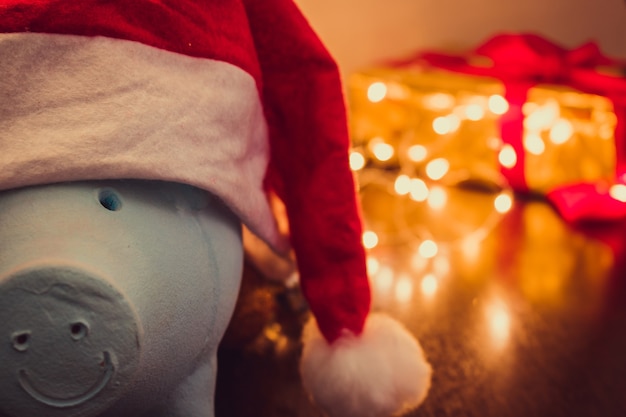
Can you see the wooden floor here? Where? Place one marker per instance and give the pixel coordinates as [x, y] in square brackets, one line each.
[527, 320]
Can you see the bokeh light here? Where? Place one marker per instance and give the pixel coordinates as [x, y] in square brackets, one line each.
[357, 160]
[497, 104]
[370, 239]
[437, 168]
[507, 156]
[376, 92]
[429, 285]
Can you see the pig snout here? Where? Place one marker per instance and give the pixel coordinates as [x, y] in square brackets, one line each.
[72, 342]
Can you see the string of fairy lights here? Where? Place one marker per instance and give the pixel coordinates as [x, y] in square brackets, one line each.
[418, 136]
[375, 153]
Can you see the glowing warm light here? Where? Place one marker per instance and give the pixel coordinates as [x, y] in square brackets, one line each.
[498, 104]
[274, 333]
[417, 153]
[428, 249]
[440, 125]
[454, 122]
[534, 144]
[370, 239]
[494, 143]
[499, 322]
[429, 285]
[529, 107]
[507, 156]
[446, 124]
[383, 280]
[470, 248]
[441, 266]
[618, 192]
[437, 198]
[503, 203]
[404, 289]
[437, 168]
[418, 262]
[601, 116]
[606, 132]
[438, 101]
[357, 160]
[474, 112]
[402, 185]
[419, 190]
[376, 92]
[382, 151]
[542, 117]
[373, 266]
[561, 131]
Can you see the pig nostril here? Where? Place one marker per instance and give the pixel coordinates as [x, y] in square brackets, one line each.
[78, 330]
[21, 341]
[110, 200]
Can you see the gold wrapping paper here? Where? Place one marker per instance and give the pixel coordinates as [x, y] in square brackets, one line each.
[405, 118]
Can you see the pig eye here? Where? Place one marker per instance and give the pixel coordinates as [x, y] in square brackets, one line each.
[110, 200]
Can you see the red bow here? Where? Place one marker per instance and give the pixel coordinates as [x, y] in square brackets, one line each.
[522, 61]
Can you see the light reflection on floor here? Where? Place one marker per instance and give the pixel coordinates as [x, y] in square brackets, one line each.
[518, 312]
[493, 249]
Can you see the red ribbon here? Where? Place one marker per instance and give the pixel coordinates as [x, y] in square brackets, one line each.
[521, 61]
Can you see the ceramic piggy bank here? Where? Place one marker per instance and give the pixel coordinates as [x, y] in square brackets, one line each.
[113, 298]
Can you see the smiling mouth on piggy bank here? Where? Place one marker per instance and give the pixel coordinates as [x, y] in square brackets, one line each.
[74, 343]
[27, 385]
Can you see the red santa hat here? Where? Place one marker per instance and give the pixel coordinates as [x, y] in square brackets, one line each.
[237, 97]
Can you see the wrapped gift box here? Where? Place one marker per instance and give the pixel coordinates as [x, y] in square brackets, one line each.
[517, 112]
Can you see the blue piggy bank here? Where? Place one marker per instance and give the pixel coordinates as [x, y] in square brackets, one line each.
[114, 297]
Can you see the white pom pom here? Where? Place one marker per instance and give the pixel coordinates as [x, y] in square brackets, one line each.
[376, 374]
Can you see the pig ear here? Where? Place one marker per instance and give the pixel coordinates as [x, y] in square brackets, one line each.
[353, 363]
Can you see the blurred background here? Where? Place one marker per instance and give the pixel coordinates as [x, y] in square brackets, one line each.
[494, 214]
[360, 33]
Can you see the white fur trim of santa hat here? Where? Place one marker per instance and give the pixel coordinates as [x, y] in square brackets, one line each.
[101, 108]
